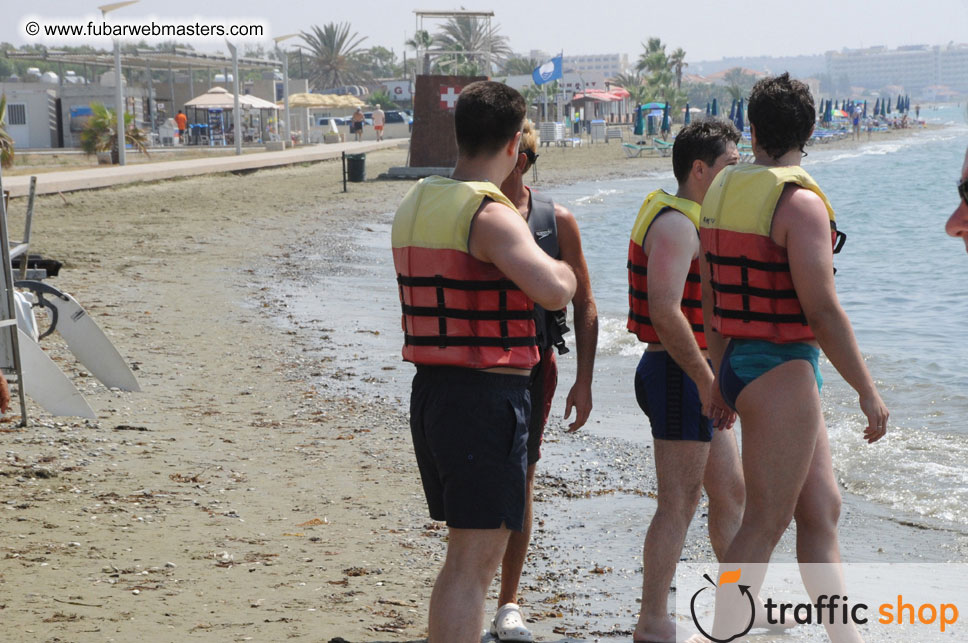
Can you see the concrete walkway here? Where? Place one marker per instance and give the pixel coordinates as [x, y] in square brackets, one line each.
[106, 176]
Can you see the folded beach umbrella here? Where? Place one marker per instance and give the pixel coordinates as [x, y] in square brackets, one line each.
[639, 122]
[688, 118]
[877, 107]
[715, 108]
[732, 111]
[864, 114]
[740, 124]
[708, 109]
[666, 126]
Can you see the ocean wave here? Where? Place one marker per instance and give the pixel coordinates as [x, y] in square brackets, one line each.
[599, 197]
[911, 469]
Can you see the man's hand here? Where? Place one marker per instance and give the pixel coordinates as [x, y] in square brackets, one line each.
[579, 397]
[715, 408]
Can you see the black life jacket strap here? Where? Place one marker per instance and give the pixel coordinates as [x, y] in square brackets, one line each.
[753, 291]
[646, 321]
[746, 262]
[459, 340]
[751, 316]
[456, 284]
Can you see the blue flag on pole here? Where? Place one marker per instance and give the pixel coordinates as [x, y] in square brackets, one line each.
[547, 72]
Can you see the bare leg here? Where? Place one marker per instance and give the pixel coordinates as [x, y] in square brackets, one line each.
[457, 601]
[723, 482]
[818, 548]
[781, 416]
[679, 468]
[517, 549]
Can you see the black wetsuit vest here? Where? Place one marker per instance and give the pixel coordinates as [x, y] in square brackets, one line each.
[550, 325]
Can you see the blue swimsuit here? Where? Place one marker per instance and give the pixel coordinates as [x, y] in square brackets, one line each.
[747, 359]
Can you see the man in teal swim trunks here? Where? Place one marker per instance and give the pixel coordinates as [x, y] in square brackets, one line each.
[768, 238]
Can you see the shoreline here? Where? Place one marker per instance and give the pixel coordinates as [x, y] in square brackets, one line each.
[269, 459]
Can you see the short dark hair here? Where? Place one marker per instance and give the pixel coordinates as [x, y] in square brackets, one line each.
[783, 113]
[487, 116]
[703, 140]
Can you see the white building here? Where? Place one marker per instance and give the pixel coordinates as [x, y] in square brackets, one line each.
[914, 68]
[609, 65]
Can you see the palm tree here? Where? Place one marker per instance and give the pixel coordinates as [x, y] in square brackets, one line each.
[99, 133]
[653, 58]
[422, 41]
[678, 60]
[6, 141]
[334, 55]
[518, 65]
[472, 35]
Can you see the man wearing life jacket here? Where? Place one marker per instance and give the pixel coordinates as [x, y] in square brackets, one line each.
[957, 225]
[556, 232]
[768, 238]
[469, 273]
[674, 378]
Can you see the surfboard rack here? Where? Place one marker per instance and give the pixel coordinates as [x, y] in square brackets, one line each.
[9, 335]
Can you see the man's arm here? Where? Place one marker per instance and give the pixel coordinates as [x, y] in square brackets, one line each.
[499, 235]
[671, 244]
[586, 318]
[802, 225]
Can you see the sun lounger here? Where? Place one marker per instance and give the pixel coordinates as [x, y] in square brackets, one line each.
[634, 151]
[613, 132]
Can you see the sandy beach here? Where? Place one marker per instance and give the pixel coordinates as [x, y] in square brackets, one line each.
[262, 487]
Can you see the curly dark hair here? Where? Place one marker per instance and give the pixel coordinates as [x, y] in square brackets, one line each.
[783, 113]
[703, 140]
[487, 116]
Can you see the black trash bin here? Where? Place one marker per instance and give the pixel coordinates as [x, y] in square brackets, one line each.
[356, 168]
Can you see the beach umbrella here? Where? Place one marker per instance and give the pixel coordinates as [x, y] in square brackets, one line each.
[900, 103]
[715, 107]
[639, 121]
[688, 117]
[732, 111]
[666, 126]
[835, 105]
[864, 114]
[877, 107]
[740, 124]
[708, 109]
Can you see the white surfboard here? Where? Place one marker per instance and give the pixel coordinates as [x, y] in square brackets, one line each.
[47, 385]
[90, 345]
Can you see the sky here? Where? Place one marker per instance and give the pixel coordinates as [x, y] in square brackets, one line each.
[707, 31]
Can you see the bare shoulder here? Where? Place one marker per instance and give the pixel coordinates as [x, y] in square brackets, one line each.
[800, 201]
[672, 231]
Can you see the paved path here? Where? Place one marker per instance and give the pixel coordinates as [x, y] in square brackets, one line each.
[106, 176]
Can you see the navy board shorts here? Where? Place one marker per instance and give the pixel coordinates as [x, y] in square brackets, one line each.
[670, 399]
[544, 382]
[470, 436]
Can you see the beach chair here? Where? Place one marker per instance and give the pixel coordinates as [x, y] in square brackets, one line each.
[664, 148]
[613, 133]
[633, 151]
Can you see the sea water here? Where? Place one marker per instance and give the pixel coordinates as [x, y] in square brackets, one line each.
[902, 281]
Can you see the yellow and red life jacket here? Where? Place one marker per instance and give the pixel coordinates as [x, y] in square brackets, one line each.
[753, 291]
[639, 321]
[457, 310]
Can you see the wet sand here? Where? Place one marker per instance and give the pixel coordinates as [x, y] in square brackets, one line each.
[262, 486]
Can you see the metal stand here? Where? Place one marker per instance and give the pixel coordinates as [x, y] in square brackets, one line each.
[344, 171]
[9, 336]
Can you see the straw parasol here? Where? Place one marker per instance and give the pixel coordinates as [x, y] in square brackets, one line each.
[321, 101]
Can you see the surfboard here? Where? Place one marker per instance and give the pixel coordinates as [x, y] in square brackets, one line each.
[90, 345]
[47, 385]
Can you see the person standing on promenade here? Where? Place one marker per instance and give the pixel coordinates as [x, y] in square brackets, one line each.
[674, 379]
[379, 121]
[555, 230]
[356, 124]
[768, 238]
[181, 122]
[469, 273]
[957, 225]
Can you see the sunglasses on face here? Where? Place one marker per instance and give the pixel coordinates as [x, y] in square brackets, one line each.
[532, 157]
[963, 190]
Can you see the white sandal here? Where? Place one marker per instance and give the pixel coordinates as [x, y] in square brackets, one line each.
[508, 624]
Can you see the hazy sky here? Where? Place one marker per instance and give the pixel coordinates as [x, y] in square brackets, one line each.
[706, 30]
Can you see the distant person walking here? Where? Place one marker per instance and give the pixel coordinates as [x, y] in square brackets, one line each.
[356, 124]
[181, 122]
[856, 125]
[379, 121]
[957, 225]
